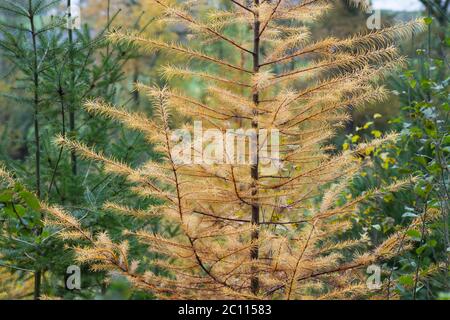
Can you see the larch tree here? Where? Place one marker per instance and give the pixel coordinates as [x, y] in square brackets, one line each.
[274, 227]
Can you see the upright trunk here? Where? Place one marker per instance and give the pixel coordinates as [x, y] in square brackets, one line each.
[37, 274]
[254, 254]
[72, 129]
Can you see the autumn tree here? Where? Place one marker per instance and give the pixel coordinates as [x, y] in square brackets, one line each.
[275, 227]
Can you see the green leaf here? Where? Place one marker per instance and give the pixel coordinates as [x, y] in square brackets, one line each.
[421, 249]
[368, 124]
[421, 160]
[425, 84]
[345, 146]
[30, 199]
[376, 133]
[447, 42]
[414, 234]
[377, 115]
[20, 210]
[6, 196]
[9, 211]
[432, 243]
[406, 280]
[428, 20]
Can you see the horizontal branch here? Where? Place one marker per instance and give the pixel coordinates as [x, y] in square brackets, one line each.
[243, 7]
[208, 29]
[151, 44]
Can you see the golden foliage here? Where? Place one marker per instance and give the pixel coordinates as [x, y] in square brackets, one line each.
[5, 177]
[246, 232]
[13, 288]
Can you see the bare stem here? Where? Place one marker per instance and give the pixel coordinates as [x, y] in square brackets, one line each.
[37, 273]
[72, 124]
[254, 252]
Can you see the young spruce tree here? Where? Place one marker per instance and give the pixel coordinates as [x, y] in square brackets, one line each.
[251, 230]
[52, 67]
